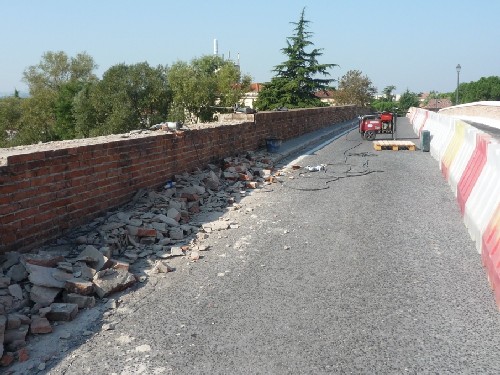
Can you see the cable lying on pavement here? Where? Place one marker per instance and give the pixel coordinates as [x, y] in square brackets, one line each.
[328, 177]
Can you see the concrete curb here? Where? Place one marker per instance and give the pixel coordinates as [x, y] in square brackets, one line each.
[296, 145]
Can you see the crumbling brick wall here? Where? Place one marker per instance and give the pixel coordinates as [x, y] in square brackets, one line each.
[44, 193]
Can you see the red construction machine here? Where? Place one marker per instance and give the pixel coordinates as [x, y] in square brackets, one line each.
[382, 123]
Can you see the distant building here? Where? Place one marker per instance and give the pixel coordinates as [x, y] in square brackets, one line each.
[437, 104]
[423, 97]
[250, 97]
[327, 96]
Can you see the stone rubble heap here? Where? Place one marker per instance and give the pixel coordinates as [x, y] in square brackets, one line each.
[113, 252]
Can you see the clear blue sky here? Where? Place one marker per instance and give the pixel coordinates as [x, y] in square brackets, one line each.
[413, 45]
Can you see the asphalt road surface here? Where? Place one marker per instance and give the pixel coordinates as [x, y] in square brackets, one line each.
[365, 268]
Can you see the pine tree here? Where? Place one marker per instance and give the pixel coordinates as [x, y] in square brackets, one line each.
[295, 83]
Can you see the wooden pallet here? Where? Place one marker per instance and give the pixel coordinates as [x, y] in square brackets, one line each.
[394, 145]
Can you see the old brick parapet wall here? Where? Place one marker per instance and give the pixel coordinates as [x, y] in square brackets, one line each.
[44, 193]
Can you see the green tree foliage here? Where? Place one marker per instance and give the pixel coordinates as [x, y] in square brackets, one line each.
[37, 123]
[407, 100]
[63, 107]
[53, 84]
[382, 105]
[296, 82]
[10, 115]
[388, 93]
[487, 88]
[56, 69]
[354, 88]
[128, 97]
[202, 86]
[83, 111]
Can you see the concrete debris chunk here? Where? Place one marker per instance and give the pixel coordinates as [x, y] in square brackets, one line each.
[133, 242]
[176, 251]
[132, 230]
[16, 291]
[174, 214]
[4, 281]
[48, 277]
[107, 252]
[65, 266]
[62, 312]
[80, 286]
[17, 272]
[40, 325]
[118, 264]
[43, 311]
[215, 226]
[144, 254]
[167, 220]
[6, 302]
[176, 234]
[190, 194]
[11, 258]
[18, 334]
[200, 190]
[112, 280]
[93, 257]
[161, 227]
[201, 248]
[13, 322]
[83, 302]
[123, 216]
[44, 296]
[178, 205]
[212, 181]
[161, 267]
[163, 254]
[82, 270]
[130, 255]
[110, 227]
[43, 259]
[135, 222]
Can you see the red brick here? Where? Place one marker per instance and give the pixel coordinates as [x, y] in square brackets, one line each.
[7, 359]
[22, 355]
[8, 236]
[6, 209]
[24, 158]
[42, 180]
[146, 232]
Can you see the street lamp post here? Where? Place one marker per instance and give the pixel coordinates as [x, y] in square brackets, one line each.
[458, 82]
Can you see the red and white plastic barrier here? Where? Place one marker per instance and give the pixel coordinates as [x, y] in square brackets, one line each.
[462, 158]
[484, 197]
[491, 253]
[470, 161]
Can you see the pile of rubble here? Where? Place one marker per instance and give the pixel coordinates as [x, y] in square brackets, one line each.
[113, 252]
